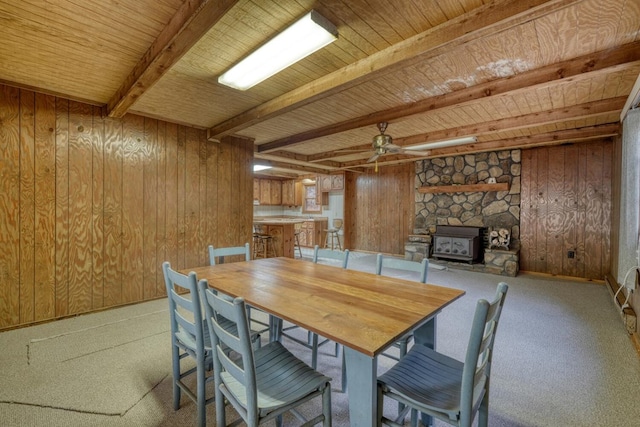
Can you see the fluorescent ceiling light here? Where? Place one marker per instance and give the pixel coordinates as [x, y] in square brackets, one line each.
[257, 168]
[305, 36]
[442, 144]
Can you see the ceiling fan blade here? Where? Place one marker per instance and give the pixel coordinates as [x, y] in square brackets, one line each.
[392, 148]
[373, 158]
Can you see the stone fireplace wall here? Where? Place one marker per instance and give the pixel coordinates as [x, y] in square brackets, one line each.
[490, 209]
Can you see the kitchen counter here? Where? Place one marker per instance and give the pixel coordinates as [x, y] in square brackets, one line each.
[283, 228]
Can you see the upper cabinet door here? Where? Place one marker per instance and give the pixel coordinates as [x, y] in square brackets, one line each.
[325, 183]
[337, 182]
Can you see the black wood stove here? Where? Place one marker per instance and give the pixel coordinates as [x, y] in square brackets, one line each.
[458, 242]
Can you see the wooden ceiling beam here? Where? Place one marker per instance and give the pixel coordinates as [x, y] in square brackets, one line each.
[581, 68]
[584, 134]
[575, 112]
[186, 27]
[581, 111]
[483, 21]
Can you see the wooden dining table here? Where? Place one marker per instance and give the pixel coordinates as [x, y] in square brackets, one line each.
[364, 312]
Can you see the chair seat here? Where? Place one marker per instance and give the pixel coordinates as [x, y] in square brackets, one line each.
[426, 379]
[281, 378]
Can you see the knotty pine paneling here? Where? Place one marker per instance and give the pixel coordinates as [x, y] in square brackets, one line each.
[91, 206]
[566, 206]
[379, 209]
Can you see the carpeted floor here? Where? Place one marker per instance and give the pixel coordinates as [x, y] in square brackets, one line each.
[562, 358]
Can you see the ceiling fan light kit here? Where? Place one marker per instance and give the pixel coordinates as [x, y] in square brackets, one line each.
[307, 35]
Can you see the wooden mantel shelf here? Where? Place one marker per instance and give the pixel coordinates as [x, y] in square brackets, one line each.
[500, 186]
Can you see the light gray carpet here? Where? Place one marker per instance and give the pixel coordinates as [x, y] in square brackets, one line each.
[562, 358]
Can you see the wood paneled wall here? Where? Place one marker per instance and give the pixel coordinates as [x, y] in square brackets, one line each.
[378, 209]
[566, 206]
[90, 207]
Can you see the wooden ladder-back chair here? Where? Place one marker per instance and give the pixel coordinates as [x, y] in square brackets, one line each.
[189, 339]
[261, 384]
[385, 263]
[439, 386]
[312, 342]
[217, 256]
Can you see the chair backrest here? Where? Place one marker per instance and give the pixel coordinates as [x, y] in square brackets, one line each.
[227, 368]
[337, 223]
[220, 253]
[185, 313]
[383, 262]
[477, 364]
[331, 254]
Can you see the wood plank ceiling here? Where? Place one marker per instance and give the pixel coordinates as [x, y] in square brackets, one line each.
[514, 73]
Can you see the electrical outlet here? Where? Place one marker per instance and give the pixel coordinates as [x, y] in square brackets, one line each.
[571, 254]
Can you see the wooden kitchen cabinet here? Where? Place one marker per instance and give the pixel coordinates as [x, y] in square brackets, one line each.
[324, 183]
[313, 233]
[322, 196]
[337, 182]
[267, 191]
[276, 192]
[291, 193]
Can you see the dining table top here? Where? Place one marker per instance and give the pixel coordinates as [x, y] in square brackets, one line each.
[363, 311]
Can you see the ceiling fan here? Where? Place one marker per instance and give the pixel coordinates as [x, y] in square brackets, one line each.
[383, 144]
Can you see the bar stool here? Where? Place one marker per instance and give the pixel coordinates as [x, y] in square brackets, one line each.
[333, 233]
[262, 243]
[297, 229]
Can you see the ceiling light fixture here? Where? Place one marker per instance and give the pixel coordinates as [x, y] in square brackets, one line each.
[305, 36]
[257, 168]
[443, 144]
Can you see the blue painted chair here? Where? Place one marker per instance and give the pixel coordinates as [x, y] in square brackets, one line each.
[217, 256]
[189, 339]
[261, 384]
[442, 387]
[326, 256]
[385, 263]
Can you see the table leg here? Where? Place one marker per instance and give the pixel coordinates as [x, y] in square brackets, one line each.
[275, 328]
[426, 334]
[362, 374]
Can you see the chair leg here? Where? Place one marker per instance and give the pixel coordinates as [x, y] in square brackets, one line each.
[176, 377]
[314, 351]
[201, 397]
[379, 405]
[326, 406]
[344, 373]
[483, 411]
[220, 413]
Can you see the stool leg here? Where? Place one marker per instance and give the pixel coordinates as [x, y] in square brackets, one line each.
[297, 244]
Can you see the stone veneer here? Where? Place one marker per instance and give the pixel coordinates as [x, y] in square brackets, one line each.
[488, 209]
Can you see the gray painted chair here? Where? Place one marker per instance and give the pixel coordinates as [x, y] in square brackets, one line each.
[261, 384]
[217, 256]
[442, 387]
[189, 339]
[384, 263]
[312, 342]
